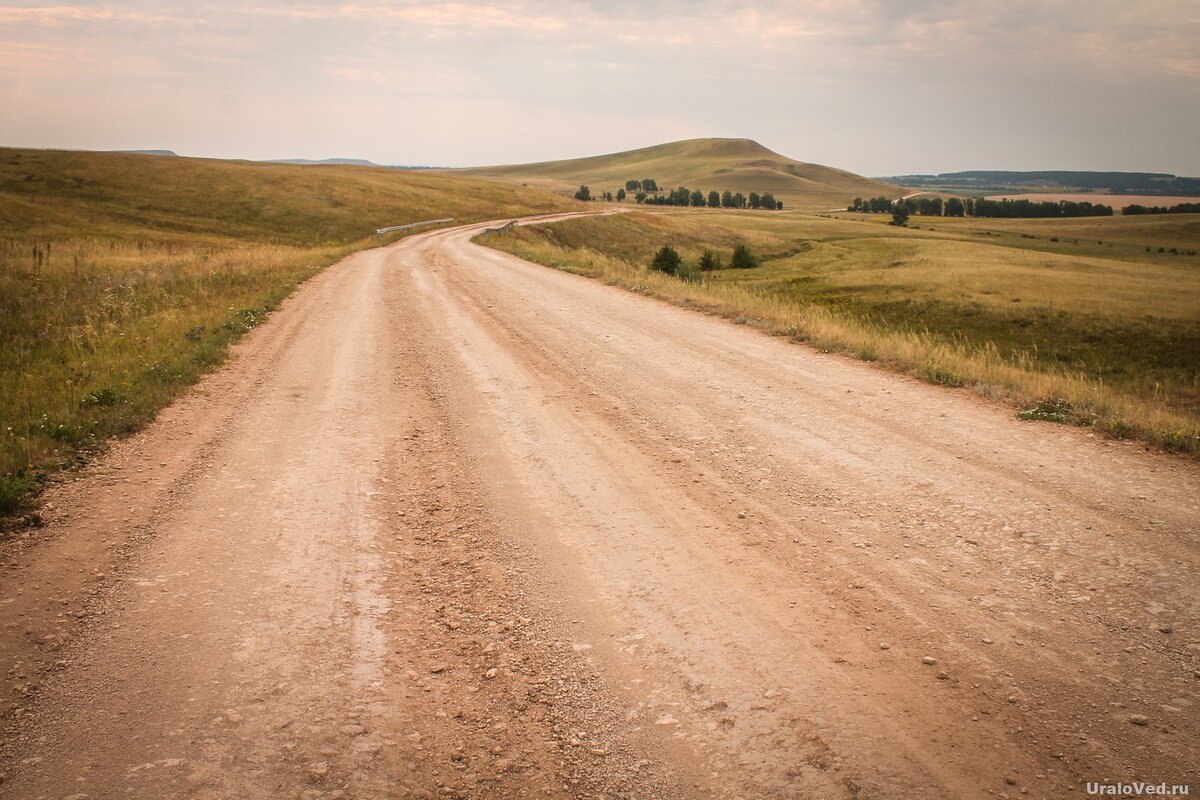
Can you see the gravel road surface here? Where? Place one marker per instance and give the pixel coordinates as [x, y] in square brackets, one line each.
[451, 524]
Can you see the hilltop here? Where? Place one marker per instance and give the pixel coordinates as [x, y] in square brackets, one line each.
[706, 164]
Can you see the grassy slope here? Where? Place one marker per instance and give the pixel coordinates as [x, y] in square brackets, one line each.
[1092, 319]
[71, 194]
[706, 164]
[124, 277]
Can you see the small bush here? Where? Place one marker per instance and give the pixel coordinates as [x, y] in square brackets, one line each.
[742, 258]
[667, 260]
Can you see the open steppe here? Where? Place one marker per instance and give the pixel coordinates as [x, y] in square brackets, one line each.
[349, 517]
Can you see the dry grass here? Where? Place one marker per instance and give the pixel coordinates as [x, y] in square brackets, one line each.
[124, 278]
[1111, 342]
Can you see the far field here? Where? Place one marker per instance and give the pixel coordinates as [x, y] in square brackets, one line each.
[1117, 201]
[1093, 321]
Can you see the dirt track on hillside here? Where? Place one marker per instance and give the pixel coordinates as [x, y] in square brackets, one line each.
[455, 525]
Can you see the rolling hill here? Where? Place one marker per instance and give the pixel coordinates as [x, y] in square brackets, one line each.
[739, 165]
[58, 195]
[124, 277]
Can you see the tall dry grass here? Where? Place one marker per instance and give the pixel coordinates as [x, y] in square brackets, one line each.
[100, 334]
[123, 278]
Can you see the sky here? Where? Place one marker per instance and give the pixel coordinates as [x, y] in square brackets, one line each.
[875, 87]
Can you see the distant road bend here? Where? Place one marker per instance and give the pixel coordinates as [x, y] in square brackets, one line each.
[456, 525]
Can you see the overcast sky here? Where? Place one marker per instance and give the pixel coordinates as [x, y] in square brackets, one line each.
[876, 87]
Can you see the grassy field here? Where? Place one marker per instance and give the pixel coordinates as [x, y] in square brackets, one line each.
[123, 277]
[1081, 321]
[705, 164]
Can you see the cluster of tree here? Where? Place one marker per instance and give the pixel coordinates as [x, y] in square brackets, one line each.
[875, 205]
[1029, 208]
[979, 207]
[668, 260]
[687, 197]
[1181, 208]
[727, 199]
[1112, 182]
[585, 194]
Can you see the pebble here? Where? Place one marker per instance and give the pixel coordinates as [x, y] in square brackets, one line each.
[943, 675]
[929, 661]
[884, 646]
[986, 640]
[1139, 719]
[353, 729]
[1166, 628]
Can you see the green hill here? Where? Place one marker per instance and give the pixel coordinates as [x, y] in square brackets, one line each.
[739, 165]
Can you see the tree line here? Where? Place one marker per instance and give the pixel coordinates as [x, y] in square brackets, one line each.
[1180, 208]
[646, 191]
[980, 207]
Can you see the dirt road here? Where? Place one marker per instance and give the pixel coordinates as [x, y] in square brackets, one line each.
[455, 525]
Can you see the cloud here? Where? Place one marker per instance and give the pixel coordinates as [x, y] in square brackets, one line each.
[56, 16]
[827, 76]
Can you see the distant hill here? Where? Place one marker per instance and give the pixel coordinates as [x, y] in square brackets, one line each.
[343, 162]
[171, 153]
[1006, 180]
[348, 162]
[739, 165]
